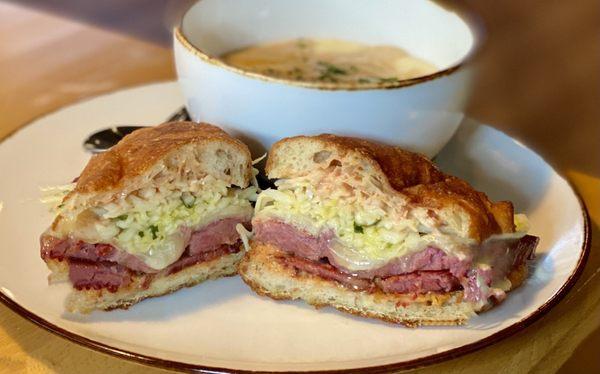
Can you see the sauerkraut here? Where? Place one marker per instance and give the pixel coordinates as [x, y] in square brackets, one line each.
[154, 223]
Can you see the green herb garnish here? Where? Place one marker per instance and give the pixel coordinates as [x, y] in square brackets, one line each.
[153, 231]
[358, 229]
[296, 73]
[331, 68]
[330, 72]
[388, 80]
[141, 234]
[301, 43]
[122, 217]
[327, 78]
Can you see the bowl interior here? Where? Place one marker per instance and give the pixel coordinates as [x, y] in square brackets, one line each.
[422, 27]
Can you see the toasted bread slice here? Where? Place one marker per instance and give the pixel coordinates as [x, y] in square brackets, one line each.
[267, 276]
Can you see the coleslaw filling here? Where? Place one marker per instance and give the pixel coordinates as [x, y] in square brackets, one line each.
[155, 223]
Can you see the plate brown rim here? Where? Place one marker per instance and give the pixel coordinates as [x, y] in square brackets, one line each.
[403, 365]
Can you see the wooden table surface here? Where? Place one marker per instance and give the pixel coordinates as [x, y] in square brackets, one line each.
[538, 81]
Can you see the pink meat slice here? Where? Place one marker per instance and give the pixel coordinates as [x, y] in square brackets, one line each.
[429, 259]
[207, 239]
[101, 265]
[103, 274]
[98, 275]
[189, 259]
[215, 234]
[419, 281]
[430, 270]
[302, 244]
[416, 282]
[326, 271]
[59, 249]
[292, 239]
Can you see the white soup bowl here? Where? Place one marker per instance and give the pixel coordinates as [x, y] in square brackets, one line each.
[419, 114]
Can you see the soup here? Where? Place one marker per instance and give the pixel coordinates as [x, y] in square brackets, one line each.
[330, 61]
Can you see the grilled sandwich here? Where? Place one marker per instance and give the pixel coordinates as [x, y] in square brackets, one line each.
[159, 211]
[380, 232]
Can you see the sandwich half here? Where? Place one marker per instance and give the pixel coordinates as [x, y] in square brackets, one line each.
[159, 211]
[380, 232]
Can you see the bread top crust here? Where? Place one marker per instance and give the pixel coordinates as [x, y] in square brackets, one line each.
[140, 150]
[402, 168]
[415, 177]
[486, 217]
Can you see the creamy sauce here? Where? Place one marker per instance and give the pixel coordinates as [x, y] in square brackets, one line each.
[330, 61]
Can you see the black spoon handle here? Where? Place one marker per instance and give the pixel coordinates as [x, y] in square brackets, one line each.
[181, 115]
[103, 140]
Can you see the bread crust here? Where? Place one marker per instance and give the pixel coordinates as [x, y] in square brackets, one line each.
[487, 218]
[402, 168]
[411, 175]
[140, 150]
[171, 150]
[433, 309]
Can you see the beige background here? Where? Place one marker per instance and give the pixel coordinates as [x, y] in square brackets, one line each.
[539, 81]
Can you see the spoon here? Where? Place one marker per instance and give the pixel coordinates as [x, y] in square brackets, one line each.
[103, 140]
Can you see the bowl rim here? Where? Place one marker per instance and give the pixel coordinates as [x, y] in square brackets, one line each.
[467, 15]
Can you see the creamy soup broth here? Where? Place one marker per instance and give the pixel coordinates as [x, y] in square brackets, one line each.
[331, 61]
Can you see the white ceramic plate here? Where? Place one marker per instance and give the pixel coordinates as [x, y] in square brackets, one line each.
[221, 325]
